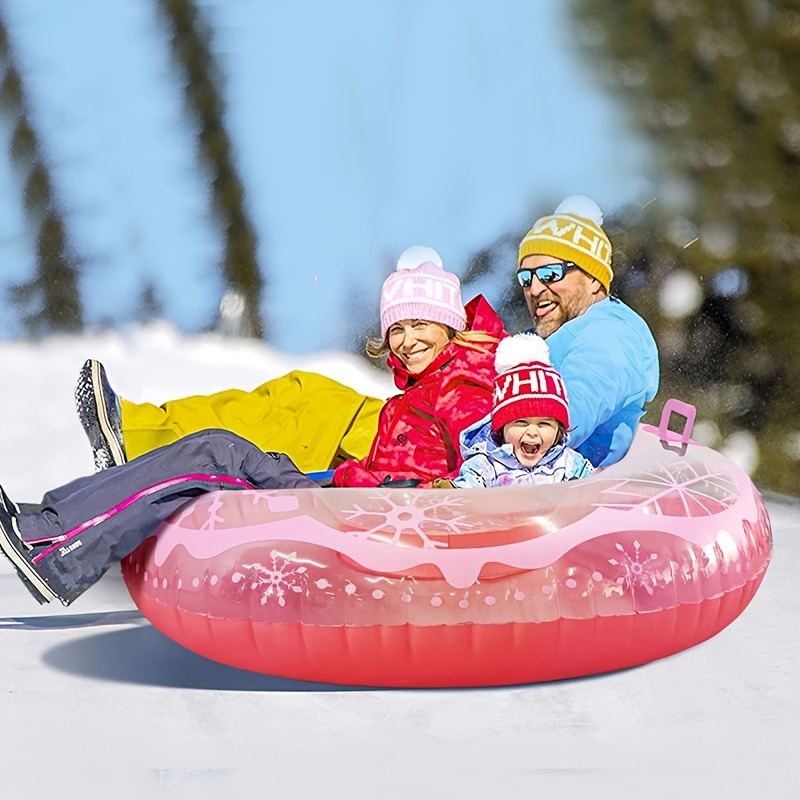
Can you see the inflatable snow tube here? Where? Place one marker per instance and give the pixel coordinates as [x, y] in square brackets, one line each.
[433, 588]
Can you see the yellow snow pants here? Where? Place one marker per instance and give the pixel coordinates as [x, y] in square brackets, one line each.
[316, 421]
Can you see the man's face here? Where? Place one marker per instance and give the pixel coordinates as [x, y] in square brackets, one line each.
[553, 304]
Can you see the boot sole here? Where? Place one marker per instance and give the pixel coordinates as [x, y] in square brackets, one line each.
[105, 423]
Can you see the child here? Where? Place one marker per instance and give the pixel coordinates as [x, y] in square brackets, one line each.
[524, 439]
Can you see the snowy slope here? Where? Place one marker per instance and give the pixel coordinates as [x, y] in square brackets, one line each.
[138, 716]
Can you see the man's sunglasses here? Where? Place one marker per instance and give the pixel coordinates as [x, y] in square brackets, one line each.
[549, 273]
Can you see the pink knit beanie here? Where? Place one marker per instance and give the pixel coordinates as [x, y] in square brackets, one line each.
[420, 288]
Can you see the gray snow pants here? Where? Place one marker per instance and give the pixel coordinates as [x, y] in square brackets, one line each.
[97, 520]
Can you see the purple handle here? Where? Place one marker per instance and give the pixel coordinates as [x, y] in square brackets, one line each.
[679, 407]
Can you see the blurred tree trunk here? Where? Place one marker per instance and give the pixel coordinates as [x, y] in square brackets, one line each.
[191, 43]
[51, 299]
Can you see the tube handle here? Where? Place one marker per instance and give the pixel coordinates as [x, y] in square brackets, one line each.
[675, 406]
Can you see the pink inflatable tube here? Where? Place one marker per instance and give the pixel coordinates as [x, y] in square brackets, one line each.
[479, 587]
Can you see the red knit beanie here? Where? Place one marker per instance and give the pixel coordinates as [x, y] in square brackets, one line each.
[527, 384]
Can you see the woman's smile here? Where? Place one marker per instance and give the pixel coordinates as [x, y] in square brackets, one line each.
[417, 342]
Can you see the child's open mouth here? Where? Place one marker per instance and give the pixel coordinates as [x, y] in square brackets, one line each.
[529, 448]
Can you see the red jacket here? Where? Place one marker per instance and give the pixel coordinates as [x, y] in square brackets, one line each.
[418, 430]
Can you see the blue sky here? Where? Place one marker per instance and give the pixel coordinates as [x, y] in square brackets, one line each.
[360, 127]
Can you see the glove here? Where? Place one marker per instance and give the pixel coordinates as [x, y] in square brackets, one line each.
[400, 483]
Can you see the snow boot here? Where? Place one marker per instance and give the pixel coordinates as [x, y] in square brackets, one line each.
[19, 553]
[99, 411]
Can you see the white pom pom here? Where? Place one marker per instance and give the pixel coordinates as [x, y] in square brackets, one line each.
[581, 206]
[524, 348]
[412, 257]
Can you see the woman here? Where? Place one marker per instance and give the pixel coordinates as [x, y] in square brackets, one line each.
[63, 545]
[442, 358]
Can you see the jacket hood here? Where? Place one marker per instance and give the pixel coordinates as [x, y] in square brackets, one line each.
[478, 438]
[480, 317]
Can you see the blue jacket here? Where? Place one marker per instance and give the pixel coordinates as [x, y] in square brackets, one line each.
[487, 463]
[609, 362]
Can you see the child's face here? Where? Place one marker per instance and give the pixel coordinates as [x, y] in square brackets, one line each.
[531, 438]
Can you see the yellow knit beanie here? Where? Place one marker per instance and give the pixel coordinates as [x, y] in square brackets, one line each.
[572, 233]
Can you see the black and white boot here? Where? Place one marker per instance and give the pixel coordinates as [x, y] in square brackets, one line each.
[99, 411]
[21, 554]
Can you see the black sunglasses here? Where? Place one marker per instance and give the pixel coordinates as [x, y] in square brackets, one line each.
[549, 273]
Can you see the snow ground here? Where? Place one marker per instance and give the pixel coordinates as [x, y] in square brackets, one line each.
[96, 703]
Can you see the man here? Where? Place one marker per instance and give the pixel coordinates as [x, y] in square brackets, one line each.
[604, 350]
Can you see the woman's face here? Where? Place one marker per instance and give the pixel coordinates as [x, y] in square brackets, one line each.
[417, 342]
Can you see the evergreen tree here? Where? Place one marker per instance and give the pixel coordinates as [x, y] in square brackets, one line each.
[149, 304]
[50, 299]
[191, 43]
[715, 84]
